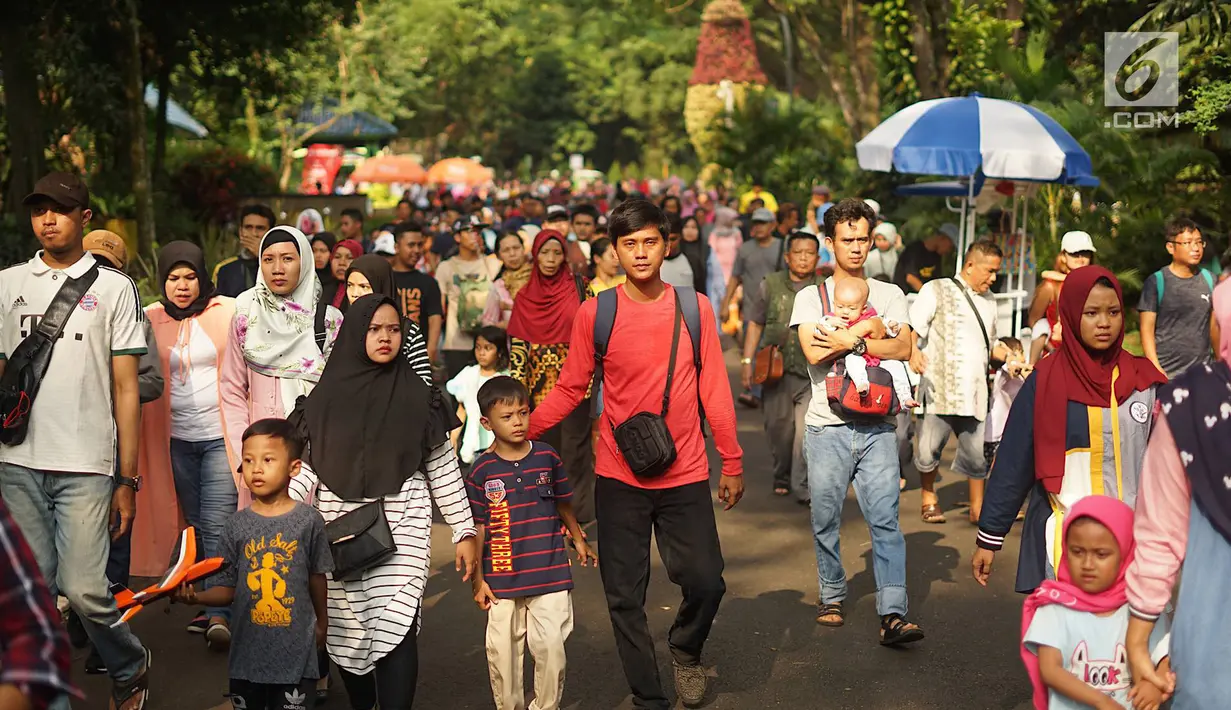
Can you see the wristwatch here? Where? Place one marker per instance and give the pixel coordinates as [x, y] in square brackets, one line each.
[860, 347]
[745, 361]
[133, 483]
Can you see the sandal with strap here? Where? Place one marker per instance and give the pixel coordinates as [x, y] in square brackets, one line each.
[932, 514]
[896, 631]
[123, 694]
[830, 610]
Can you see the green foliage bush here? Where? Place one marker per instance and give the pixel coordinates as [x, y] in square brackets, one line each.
[210, 183]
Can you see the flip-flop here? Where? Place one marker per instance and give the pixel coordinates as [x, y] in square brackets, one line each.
[932, 514]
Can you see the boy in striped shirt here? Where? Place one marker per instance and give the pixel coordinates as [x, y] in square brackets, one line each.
[519, 495]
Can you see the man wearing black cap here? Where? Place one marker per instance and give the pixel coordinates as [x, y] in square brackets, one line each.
[60, 482]
[464, 281]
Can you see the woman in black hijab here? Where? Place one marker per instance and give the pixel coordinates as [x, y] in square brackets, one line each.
[371, 273]
[183, 455]
[322, 252]
[376, 431]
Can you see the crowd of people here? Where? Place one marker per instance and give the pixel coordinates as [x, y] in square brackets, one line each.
[546, 369]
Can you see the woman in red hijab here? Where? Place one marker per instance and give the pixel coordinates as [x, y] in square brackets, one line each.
[539, 332]
[1078, 427]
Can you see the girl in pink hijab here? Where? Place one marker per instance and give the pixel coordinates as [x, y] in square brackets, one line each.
[1074, 627]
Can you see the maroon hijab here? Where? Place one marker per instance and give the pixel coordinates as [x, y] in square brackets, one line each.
[544, 308]
[1075, 373]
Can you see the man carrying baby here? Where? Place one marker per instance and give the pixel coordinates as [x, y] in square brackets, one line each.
[955, 328]
[840, 450]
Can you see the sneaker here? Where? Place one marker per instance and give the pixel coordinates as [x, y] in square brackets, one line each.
[218, 635]
[199, 624]
[690, 683]
[94, 663]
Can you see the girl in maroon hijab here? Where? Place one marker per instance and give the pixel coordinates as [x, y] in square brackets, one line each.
[1078, 427]
[539, 332]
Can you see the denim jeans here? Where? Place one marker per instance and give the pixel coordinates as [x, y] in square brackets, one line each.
[65, 517]
[866, 454]
[206, 491]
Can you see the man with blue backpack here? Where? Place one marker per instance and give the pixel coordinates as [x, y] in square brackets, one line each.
[1177, 316]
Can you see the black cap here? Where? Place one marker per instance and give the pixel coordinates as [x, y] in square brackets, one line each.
[555, 212]
[468, 222]
[62, 188]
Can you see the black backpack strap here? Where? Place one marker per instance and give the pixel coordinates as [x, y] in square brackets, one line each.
[825, 306]
[318, 323]
[580, 286]
[687, 299]
[604, 323]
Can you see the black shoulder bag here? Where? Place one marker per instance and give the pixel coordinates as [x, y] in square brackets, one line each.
[644, 439]
[27, 365]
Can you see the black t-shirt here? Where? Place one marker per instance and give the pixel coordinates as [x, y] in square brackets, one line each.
[418, 296]
[917, 260]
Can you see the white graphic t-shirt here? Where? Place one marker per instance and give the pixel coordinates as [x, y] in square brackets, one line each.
[1093, 649]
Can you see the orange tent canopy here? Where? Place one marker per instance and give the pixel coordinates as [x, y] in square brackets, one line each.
[454, 171]
[390, 168]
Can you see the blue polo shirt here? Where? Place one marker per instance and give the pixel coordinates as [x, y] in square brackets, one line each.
[523, 551]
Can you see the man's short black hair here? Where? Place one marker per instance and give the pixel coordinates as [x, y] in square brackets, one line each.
[985, 248]
[406, 201]
[278, 429]
[847, 211]
[1178, 226]
[353, 214]
[586, 209]
[635, 215]
[501, 390]
[259, 210]
[406, 228]
[798, 235]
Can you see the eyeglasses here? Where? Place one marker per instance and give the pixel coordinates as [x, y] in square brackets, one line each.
[1192, 244]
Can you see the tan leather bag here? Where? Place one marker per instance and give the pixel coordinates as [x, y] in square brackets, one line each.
[767, 367]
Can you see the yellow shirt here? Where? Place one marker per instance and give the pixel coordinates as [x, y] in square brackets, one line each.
[771, 204]
[598, 285]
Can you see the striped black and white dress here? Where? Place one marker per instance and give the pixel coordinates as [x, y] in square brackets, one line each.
[368, 618]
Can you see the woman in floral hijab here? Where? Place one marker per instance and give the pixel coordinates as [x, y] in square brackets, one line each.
[275, 351]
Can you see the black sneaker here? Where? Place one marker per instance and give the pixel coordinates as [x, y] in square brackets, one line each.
[94, 663]
[690, 684]
[199, 624]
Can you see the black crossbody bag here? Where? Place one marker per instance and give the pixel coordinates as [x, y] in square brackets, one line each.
[644, 439]
[360, 540]
[29, 361]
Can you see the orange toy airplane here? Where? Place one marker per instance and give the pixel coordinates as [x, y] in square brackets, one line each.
[184, 569]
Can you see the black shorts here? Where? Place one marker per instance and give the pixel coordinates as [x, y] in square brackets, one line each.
[246, 695]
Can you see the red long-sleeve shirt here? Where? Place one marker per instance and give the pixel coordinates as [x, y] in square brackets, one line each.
[635, 374]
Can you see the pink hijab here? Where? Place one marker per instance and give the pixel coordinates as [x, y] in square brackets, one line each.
[1117, 517]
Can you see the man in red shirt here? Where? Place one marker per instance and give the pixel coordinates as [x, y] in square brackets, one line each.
[677, 505]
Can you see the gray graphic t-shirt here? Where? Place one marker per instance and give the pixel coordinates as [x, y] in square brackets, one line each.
[1182, 331]
[269, 562]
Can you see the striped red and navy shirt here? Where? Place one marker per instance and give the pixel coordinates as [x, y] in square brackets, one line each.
[523, 550]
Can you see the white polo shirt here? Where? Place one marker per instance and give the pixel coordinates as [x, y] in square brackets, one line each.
[72, 428]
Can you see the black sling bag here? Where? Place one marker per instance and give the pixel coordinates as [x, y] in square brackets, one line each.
[28, 363]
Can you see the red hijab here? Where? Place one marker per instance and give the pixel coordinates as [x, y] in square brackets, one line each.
[1075, 373]
[544, 308]
[1117, 517]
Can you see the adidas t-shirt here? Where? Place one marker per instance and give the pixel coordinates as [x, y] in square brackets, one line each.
[72, 428]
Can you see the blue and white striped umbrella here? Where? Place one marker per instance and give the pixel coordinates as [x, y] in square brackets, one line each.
[962, 135]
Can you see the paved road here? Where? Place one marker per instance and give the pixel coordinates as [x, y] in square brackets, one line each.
[765, 650]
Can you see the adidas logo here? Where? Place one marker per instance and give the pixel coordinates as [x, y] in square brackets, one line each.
[19, 303]
[295, 700]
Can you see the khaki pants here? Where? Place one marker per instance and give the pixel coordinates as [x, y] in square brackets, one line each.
[542, 623]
